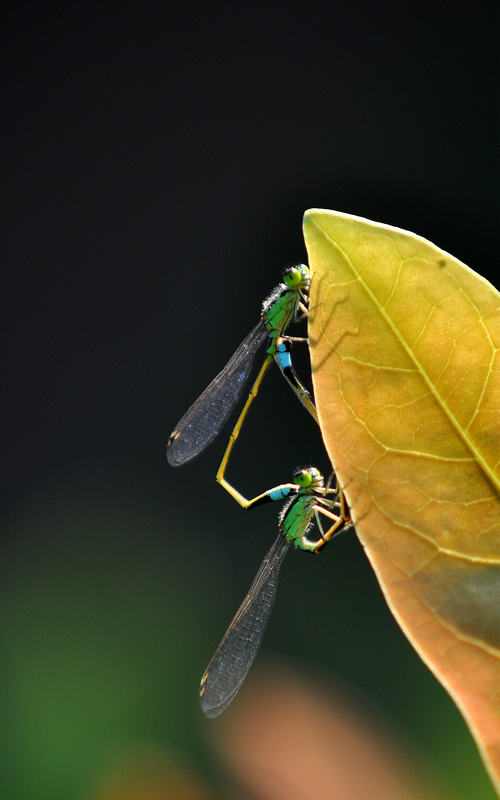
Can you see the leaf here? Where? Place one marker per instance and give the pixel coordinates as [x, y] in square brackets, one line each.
[404, 345]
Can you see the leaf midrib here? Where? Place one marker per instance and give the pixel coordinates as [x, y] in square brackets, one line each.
[432, 388]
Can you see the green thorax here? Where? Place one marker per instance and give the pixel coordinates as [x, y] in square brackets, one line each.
[296, 518]
[278, 311]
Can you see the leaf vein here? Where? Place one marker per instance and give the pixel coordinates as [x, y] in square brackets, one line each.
[412, 356]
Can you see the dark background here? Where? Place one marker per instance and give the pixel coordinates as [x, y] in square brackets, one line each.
[156, 165]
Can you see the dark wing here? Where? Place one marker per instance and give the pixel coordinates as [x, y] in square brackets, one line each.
[236, 652]
[204, 419]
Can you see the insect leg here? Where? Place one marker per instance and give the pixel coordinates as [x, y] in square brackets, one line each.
[339, 523]
[284, 361]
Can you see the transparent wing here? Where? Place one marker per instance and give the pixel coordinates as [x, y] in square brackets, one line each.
[204, 419]
[236, 652]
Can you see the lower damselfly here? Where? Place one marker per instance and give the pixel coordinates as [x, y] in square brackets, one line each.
[308, 499]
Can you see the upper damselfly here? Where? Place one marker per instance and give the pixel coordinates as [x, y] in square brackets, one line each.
[204, 419]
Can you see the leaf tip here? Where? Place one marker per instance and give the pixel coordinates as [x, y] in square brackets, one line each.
[310, 215]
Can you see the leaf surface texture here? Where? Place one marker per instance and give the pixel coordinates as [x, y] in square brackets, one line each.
[404, 342]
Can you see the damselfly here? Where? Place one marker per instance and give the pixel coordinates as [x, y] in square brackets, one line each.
[204, 419]
[308, 498]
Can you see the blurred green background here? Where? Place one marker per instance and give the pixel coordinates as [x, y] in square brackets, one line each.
[157, 165]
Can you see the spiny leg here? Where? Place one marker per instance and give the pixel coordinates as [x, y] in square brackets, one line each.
[284, 361]
[345, 512]
[305, 309]
[339, 523]
[302, 393]
[319, 524]
[340, 502]
[336, 489]
[336, 508]
[304, 312]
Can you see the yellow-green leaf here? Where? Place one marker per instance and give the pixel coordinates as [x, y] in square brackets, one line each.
[404, 343]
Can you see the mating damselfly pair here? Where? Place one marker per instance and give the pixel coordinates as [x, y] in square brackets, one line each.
[308, 498]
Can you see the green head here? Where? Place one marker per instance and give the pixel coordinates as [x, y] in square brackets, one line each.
[308, 478]
[297, 277]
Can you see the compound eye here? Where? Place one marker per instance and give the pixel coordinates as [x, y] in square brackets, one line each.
[303, 478]
[292, 277]
[297, 276]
